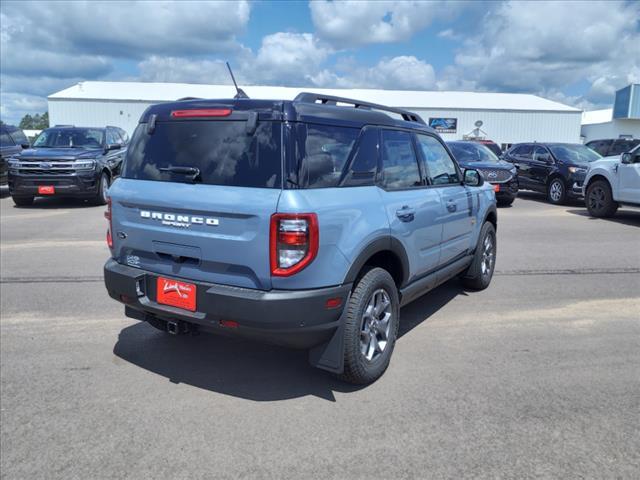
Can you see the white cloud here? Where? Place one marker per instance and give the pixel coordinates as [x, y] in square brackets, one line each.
[14, 105]
[353, 22]
[547, 46]
[398, 73]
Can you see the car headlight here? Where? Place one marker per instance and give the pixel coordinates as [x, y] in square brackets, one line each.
[577, 170]
[84, 164]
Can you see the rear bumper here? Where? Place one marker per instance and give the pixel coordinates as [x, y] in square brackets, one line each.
[76, 185]
[508, 190]
[292, 318]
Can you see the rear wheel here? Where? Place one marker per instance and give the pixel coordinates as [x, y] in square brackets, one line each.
[103, 188]
[557, 191]
[599, 199]
[371, 327]
[479, 274]
[505, 203]
[23, 201]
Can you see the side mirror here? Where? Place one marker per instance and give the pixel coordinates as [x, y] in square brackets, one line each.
[546, 158]
[25, 145]
[626, 158]
[113, 146]
[473, 178]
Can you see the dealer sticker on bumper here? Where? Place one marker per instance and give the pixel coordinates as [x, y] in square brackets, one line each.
[176, 293]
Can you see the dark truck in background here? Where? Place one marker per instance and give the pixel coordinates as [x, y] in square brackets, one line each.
[12, 141]
[68, 161]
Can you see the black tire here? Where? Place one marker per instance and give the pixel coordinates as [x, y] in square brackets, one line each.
[556, 191]
[599, 200]
[505, 203]
[479, 274]
[358, 369]
[23, 201]
[101, 196]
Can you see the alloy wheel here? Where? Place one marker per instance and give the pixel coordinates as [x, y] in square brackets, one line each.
[556, 190]
[597, 199]
[376, 325]
[488, 256]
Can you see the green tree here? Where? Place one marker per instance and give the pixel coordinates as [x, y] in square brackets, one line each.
[35, 122]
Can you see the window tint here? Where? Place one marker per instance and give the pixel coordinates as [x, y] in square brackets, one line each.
[622, 146]
[19, 137]
[112, 136]
[5, 139]
[540, 154]
[399, 163]
[441, 169]
[322, 152]
[365, 160]
[523, 151]
[221, 150]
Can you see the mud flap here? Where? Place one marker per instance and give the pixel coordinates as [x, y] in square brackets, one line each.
[330, 355]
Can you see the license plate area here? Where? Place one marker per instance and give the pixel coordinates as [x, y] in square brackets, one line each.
[176, 293]
[46, 190]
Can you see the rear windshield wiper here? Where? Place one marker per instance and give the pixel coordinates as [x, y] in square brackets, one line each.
[192, 173]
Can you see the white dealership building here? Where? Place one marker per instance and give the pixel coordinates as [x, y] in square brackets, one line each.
[505, 118]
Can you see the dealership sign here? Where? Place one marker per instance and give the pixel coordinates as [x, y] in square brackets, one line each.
[444, 125]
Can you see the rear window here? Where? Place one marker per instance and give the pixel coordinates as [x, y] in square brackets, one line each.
[222, 151]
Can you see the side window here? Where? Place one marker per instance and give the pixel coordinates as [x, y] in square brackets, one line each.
[365, 160]
[112, 137]
[524, 151]
[540, 154]
[323, 151]
[19, 137]
[124, 135]
[399, 162]
[441, 168]
[5, 139]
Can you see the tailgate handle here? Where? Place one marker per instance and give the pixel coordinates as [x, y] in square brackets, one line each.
[178, 258]
[177, 253]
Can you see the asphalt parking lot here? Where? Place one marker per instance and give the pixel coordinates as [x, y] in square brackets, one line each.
[538, 376]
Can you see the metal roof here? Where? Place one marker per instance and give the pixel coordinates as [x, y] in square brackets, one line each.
[160, 92]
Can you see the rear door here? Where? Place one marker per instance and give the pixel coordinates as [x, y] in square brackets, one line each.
[540, 167]
[195, 200]
[456, 202]
[629, 179]
[413, 209]
[521, 158]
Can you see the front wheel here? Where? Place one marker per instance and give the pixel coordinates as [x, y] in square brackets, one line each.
[557, 191]
[599, 199]
[479, 274]
[103, 188]
[371, 327]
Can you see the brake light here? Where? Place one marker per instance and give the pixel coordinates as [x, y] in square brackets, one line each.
[207, 112]
[293, 242]
[496, 188]
[107, 215]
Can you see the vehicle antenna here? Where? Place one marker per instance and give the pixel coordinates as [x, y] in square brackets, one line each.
[240, 93]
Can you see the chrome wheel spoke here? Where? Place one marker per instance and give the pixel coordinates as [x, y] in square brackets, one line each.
[375, 325]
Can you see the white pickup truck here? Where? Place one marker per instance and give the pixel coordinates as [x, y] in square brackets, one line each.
[611, 182]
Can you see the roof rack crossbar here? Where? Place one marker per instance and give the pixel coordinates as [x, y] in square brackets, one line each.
[309, 97]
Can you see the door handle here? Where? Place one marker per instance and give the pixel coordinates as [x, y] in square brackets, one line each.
[406, 214]
[451, 206]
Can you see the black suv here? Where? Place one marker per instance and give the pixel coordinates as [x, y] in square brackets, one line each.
[557, 169]
[611, 147]
[12, 141]
[68, 161]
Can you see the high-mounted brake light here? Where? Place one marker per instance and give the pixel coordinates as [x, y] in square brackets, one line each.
[199, 113]
[294, 240]
[107, 215]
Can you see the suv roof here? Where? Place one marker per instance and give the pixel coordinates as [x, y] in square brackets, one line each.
[306, 107]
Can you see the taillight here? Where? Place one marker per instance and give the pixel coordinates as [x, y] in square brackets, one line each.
[107, 215]
[293, 242]
[202, 112]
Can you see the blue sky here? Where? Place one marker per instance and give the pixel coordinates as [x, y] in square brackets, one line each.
[574, 52]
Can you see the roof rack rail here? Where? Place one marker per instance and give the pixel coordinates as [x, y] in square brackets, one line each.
[308, 97]
[188, 98]
[64, 126]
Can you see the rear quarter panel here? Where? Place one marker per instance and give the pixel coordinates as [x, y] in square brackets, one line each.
[348, 219]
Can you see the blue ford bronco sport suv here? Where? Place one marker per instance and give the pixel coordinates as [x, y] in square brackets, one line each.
[305, 223]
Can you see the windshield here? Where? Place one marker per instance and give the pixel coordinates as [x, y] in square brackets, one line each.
[210, 152]
[472, 152]
[574, 153]
[70, 138]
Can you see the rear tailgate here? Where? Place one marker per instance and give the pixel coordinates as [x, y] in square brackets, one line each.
[196, 197]
[208, 233]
